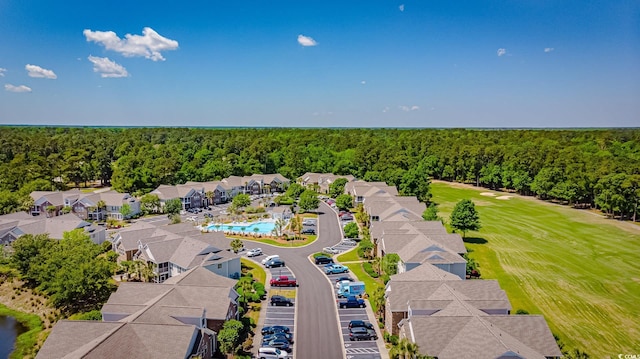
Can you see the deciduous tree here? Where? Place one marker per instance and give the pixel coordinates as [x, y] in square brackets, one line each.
[464, 217]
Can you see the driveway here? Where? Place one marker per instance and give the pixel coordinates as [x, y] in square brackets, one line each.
[317, 334]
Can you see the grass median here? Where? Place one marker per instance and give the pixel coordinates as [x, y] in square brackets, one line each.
[573, 266]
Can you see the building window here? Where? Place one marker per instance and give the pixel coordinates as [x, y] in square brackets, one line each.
[219, 266]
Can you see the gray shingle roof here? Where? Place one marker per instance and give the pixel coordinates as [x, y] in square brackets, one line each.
[424, 272]
[402, 292]
[479, 337]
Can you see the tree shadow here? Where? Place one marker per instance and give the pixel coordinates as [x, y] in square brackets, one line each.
[475, 240]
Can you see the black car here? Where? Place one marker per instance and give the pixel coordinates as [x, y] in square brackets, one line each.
[308, 231]
[280, 300]
[278, 335]
[276, 262]
[324, 260]
[360, 323]
[362, 333]
[281, 344]
[340, 279]
[275, 328]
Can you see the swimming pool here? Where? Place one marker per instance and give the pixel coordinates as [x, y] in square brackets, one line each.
[261, 227]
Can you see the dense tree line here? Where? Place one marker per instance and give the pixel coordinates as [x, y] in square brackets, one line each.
[581, 167]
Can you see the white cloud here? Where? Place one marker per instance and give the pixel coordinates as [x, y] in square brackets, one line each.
[107, 68]
[409, 108]
[548, 49]
[150, 44]
[363, 82]
[2, 71]
[401, 7]
[21, 88]
[39, 72]
[306, 41]
[502, 52]
[386, 109]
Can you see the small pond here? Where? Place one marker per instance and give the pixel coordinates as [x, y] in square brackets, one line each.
[9, 331]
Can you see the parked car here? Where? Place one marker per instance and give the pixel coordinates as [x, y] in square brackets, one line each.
[283, 281]
[362, 333]
[281, 344]
[275, 328]
[336, 269]
[280, 300]
[352, 302]
[278, 335]
[271, 353]
[254, 252]
[268, 258]
[343, 278]
[348, 242]
[308, 231]
[310, 223]
[323, 260]
[277, 262]
[330, 250]
[361, 323]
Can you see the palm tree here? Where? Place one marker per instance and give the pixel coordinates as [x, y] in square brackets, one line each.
[405, 349]
[376, 263]
[27, 204]
[296, 225]
[126, 266]
[101, 205]
[379, 301]
[279, 226]
[236, 245]
[148, 271]
[210, 195]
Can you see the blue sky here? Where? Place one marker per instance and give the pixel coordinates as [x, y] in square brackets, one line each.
[427, 63]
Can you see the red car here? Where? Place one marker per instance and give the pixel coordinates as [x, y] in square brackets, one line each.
[283, 281]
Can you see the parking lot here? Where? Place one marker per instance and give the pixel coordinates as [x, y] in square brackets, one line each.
[280, 315]
[355, 349]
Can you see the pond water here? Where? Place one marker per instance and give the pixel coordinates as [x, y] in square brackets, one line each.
[9, 330]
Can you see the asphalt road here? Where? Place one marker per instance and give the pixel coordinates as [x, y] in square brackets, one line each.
[317, 328]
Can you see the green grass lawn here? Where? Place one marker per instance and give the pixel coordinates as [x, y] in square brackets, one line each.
[308, 239]
[579, 270]
[349, 256]
[258, 272]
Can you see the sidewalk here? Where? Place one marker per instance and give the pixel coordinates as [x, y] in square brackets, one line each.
[257, 337]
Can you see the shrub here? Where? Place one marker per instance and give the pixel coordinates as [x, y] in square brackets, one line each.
[369, 269]
[522, 311]
[247, 344]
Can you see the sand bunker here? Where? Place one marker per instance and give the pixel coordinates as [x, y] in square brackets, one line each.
[503, 197]
[488, 194]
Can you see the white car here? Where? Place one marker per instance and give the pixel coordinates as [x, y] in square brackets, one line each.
[330, 250]
[268, 258]
[254, 252]
[348, 242]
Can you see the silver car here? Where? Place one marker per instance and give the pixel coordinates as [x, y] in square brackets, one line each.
[254, 252]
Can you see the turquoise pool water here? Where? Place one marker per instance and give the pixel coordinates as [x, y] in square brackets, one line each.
[248, 228]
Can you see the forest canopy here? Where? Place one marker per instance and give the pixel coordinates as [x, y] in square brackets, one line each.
[594, 167]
